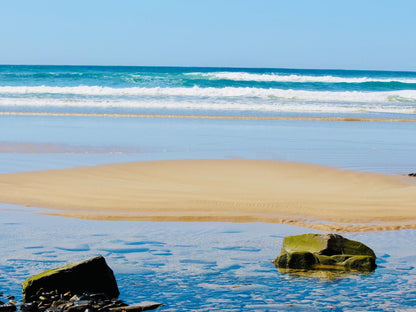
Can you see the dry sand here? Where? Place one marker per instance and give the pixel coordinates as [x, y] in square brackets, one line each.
[318, 197]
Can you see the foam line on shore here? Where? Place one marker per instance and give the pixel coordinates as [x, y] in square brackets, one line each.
[226, 117]
[319, 197]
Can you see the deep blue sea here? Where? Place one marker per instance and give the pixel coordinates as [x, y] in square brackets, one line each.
[208, 91]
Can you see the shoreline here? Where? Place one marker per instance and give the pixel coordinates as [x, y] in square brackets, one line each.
[314, 196]
[220, 117]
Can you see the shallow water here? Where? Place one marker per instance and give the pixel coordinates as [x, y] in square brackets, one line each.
[205, 266]
[59, 142]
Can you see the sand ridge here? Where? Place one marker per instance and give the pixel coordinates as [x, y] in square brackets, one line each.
[319, 197]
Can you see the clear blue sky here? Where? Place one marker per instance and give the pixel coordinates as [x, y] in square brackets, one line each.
[346, 34]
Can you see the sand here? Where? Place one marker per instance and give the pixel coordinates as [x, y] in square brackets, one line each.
[313, 196]
[226, 117]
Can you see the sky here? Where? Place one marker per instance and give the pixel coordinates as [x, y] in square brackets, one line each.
[332, 34]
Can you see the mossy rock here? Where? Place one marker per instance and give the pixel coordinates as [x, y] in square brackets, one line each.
[326, 260]
[325, 251]
[325, 244]
[360, 263]
[92, 275]
[296, 260]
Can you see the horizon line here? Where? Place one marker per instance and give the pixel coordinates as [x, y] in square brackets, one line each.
[199, 66]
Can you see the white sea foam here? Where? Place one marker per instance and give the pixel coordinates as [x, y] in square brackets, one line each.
[244, 76]
[400, 96]
[217, 105]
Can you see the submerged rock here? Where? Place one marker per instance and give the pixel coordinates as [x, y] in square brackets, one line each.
[325, 252]
[88, 276]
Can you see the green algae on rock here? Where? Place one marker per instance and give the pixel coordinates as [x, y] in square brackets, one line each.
[325, 252]
[92, 275]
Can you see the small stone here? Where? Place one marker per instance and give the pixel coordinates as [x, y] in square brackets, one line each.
[7, 307]
[412, 174]
[100, 296]
[74, 298]
[144, 306]
[79, 307]
[28, 307]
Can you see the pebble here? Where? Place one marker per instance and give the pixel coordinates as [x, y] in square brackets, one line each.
[7, 307]
[55, 302]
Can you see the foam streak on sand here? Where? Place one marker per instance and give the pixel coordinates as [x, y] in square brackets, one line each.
[318, 197]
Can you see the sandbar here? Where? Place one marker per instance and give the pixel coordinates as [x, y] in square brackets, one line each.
[234, 190]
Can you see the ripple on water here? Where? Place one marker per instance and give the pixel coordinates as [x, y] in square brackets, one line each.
[74, 247]
[207, 266]
[125, 250]
[145, 243]
[239, 248]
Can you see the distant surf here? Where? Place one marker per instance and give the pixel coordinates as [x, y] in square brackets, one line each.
[221, 91]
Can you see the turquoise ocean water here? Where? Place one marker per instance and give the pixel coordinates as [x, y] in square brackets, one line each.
[215, 91]
[204, 266]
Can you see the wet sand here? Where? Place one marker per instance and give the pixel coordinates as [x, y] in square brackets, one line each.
[220, 117]
[313, 196]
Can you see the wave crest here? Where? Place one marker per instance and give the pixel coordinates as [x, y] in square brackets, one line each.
[406, 96]
[244, 76]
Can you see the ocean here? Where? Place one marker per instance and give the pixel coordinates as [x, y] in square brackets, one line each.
[207, 91]
[54, 117]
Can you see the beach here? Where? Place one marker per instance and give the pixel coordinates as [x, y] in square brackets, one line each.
[313, 196]
[188, 179]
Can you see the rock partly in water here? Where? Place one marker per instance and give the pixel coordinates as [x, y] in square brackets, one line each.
[88, 276]
[325, 252]
[86, 286]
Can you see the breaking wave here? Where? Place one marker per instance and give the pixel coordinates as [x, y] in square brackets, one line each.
[244, 76]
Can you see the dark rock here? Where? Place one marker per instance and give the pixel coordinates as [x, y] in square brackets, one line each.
[361, 263]
[325, 251]
[92, 276]
[144, 306]
[297, 260]
[84, 303]
[86, 286]
[412, 174]
[7, 307]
